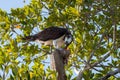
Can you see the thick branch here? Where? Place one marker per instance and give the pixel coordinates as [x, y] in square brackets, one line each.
[52, 62]
[112, 73]
[59, 57]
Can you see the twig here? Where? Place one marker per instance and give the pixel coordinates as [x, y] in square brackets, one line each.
[114, 37]
[112, 73]
[87, 65]
[102, 59]
[96, 69]
[98, 45]
[12, 28]
[79, 77]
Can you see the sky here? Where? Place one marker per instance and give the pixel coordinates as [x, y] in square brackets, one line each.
[8, 4]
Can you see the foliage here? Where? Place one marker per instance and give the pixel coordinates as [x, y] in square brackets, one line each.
[95, 50]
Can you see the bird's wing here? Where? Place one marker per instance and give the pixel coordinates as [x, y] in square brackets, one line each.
[50, 33]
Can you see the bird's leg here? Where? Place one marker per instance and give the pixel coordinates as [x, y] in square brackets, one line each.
[51, 49]
[55, 44]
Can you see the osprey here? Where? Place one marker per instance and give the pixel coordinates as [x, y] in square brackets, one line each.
[53, 36]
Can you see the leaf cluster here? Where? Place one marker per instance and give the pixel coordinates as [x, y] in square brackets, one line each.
[95, 50]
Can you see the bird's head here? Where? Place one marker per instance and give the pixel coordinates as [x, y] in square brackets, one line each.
[68, 39]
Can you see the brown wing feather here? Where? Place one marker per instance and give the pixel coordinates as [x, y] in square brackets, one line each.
[50, 33]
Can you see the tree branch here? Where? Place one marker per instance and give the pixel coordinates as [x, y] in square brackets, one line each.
[112, 73]
[102, 59]
[114, 37]
[79, 77]
[88, 66]
[98, 45]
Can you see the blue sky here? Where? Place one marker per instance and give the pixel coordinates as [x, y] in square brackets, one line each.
[8, 4]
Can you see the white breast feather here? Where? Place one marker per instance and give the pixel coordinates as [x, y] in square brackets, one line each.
[57, 43]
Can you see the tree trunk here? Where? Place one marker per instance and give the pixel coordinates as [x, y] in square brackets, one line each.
[60, 57]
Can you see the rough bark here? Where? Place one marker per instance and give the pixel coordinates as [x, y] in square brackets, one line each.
[52, 62]
[60, 59]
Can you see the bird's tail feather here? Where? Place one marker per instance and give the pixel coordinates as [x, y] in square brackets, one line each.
[29, 38]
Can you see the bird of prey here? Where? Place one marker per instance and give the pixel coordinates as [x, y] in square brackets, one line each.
[53, 36]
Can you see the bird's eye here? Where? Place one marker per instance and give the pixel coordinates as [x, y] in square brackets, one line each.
[68, 39]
